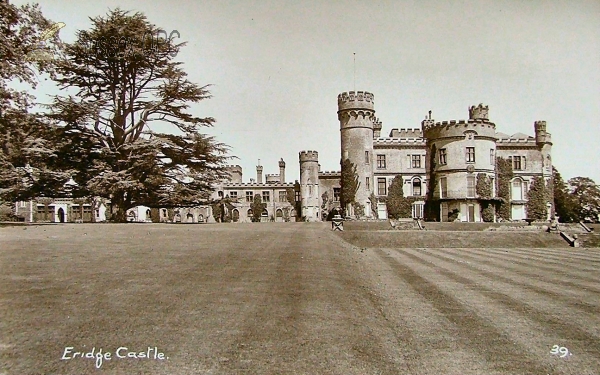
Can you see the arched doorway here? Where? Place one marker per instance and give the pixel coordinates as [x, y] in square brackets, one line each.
[235, 215]
[250, 215]
[190, 217]
[264, 216]
[131, 216]
[279, 215]
[61, 215]
[148, 215]
[201, 218]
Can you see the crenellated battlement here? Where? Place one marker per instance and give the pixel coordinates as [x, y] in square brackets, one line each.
[356, 100]
[330, 174]
[406, 133]
[309, 156]
[234, 167]
[479, 112]
[455, 128]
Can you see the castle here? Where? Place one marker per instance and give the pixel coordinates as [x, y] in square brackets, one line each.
[452, 153]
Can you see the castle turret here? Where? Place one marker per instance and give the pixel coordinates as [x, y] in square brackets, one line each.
[541, 136]
[309, 185]
[478, 113]
[377, 129]
[356, 114]
[235, 173]
[259, 171]
[282, 171]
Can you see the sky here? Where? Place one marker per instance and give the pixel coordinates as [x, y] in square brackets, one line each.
[276, 68]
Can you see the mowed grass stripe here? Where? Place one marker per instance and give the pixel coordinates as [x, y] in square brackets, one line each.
[475, 331]
[582, 338]
[542, 288]
[568, 271]
[571, 255]
[428, 342]
[584, 253]
[527, 270]
[582, 265]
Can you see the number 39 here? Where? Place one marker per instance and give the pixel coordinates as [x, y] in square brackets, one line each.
[560, 350]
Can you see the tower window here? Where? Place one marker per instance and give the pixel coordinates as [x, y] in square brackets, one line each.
[442, 156]
[470, 186]
[297, 196]
[492, 157]
[470, 154]
[381, 186]
[381, 162]
[366, 157]
[336, 194]
[416, 161]
[443, 187]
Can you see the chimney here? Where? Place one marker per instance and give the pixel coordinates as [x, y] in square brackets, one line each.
[282, 171]
[259, 170]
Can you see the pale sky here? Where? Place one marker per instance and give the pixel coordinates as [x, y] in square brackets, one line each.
[277, 67]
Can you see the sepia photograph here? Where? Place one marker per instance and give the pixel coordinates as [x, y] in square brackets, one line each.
[347, 187]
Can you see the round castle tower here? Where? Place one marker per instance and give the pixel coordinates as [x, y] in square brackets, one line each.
[356, 113]
[309, 185]
[463, 149]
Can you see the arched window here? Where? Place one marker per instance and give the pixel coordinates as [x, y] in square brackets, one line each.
[220, 194]
[249, 213]
[416, 187]
[279, 213]
[265, 213]
[235, 215]
[148, 215]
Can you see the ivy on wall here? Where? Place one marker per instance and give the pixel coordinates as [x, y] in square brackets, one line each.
[349, 186]
[432, 205]
[483, 186]
[504, 174]
[398, 205]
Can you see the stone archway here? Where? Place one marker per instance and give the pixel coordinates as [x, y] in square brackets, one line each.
[61, 215]
[190, 217]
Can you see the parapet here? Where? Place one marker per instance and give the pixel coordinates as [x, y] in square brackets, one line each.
[233, 168]
[309, 156]
[356, 100]
[406, 133]
[330, 174]
[454, 128]
[479, 112]
[281, 163]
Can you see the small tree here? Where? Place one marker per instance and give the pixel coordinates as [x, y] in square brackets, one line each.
[536, 200]
[565, 204]
[257, 208]
[587, 196]
[349, 184]
[397, 205]
[504, 175]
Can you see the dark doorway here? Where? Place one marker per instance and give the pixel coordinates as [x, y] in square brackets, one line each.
[61, 215]
[471, 213]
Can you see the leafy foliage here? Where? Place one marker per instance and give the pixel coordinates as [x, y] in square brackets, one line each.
[488, 212]
[120, 97]
[587, 195]
[28, 154]
[536, 200]
[432, 205]
[398, 206]
[373, 200]
[504, 174]
[566, 205]
[257, 208]
[483, 186]
[349, 184]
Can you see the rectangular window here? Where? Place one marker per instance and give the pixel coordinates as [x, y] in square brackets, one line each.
[249, 196]
[282, 196]
[366, 157]
[492, 157]
[336, 194]
[233, 194]
[381, 186]
[381, 161]
[516, 163]
[442, 156]
[368, 183]
[416, 161]
[470, 154]
[297, 195]
[525, 189]
[266, 196]
[443, 187]
[87, 209]
[470, 186]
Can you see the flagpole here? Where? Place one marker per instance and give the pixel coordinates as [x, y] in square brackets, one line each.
[354, 71]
